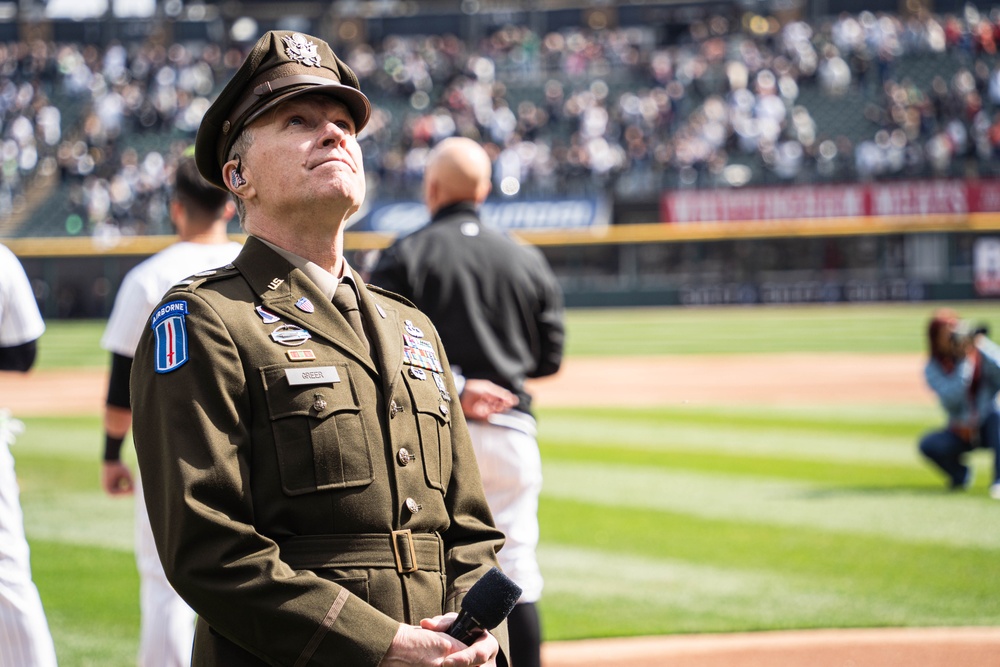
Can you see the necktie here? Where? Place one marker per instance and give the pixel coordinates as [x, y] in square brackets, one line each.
[346, 301]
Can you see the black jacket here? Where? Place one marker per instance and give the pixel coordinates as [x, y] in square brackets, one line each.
[495, 302]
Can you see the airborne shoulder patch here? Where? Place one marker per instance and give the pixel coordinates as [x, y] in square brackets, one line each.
[169, 326]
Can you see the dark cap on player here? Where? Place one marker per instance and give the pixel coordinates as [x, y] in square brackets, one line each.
[282, 64]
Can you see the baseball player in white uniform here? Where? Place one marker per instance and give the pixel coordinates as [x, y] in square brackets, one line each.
[25, 640]
[200, 212]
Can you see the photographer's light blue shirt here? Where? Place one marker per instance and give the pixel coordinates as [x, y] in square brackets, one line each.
[952, 388]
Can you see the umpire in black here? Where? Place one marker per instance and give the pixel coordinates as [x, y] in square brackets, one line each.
[499, 309]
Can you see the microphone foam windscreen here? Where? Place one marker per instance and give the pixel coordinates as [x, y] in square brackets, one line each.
[491, 598]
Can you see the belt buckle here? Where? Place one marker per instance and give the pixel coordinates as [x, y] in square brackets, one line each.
[410, 551]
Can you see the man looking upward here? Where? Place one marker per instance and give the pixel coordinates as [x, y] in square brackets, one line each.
[313, 495]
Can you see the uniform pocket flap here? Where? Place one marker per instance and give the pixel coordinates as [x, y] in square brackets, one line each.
[428, 400]
[318, 391]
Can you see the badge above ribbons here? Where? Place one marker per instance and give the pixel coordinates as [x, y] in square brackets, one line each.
[418, 352]
[170, 329]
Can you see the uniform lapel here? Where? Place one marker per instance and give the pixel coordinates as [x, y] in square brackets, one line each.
[385, 334]
[280, 285]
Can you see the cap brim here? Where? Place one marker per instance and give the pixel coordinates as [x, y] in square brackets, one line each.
[355, 101]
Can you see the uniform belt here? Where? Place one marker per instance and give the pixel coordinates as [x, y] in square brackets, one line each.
[401, 550]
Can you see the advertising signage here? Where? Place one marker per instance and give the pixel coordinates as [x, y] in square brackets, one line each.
[537, 214]
[896, 198]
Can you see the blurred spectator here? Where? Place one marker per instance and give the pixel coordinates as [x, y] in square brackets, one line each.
[576, 110]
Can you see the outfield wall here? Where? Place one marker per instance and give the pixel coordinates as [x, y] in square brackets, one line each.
[900, 258]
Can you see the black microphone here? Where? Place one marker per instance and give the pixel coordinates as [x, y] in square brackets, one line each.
[484, 607]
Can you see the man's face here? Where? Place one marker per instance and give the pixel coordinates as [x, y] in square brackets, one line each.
[305, 159]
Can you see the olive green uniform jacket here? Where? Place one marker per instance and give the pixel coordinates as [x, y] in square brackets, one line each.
[283, 506]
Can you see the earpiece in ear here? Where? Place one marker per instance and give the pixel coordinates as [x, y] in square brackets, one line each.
[236, 176]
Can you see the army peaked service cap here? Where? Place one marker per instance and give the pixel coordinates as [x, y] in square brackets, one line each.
[281, 65]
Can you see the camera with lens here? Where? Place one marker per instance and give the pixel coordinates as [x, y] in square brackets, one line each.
[965, 332]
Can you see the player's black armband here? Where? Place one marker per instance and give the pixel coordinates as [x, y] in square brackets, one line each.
[112, 448]
[18, 357]
[118, 393]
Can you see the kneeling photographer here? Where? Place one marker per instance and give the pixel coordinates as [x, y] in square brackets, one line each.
[964, 372]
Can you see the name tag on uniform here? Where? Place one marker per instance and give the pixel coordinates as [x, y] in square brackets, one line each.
[314, 375]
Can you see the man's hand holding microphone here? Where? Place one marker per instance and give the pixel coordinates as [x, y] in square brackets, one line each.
[462, 639]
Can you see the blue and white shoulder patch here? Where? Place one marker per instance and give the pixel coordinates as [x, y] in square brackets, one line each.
[171, 336]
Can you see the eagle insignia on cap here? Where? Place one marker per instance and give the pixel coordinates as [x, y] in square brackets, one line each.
[300, 49]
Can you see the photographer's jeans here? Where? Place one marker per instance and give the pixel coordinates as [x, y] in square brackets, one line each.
[947, 450]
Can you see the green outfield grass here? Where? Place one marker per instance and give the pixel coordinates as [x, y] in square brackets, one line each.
[72, 344]
[654, 521]
[758, 329]
[700, 520]
[81, 542]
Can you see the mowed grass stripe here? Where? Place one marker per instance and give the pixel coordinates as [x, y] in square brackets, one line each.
[78, 438]
[765, 435]
[759, 465]
[109, 521]
[72, 344]
[642, 595]
[808, 447]
[58, 466]
[882, 420]
[908, 515]
[881, 582]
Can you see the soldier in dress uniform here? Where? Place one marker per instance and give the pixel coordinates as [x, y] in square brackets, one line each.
[311, 485]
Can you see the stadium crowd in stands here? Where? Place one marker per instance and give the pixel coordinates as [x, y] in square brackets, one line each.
[575, 111]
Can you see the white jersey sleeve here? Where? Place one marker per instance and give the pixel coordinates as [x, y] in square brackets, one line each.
[128, 316]
[145, 285]
[20, 321]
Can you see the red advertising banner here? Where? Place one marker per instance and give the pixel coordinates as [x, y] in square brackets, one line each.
[918, 198]
[827, 201]
[984, 196]
[900, 198]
